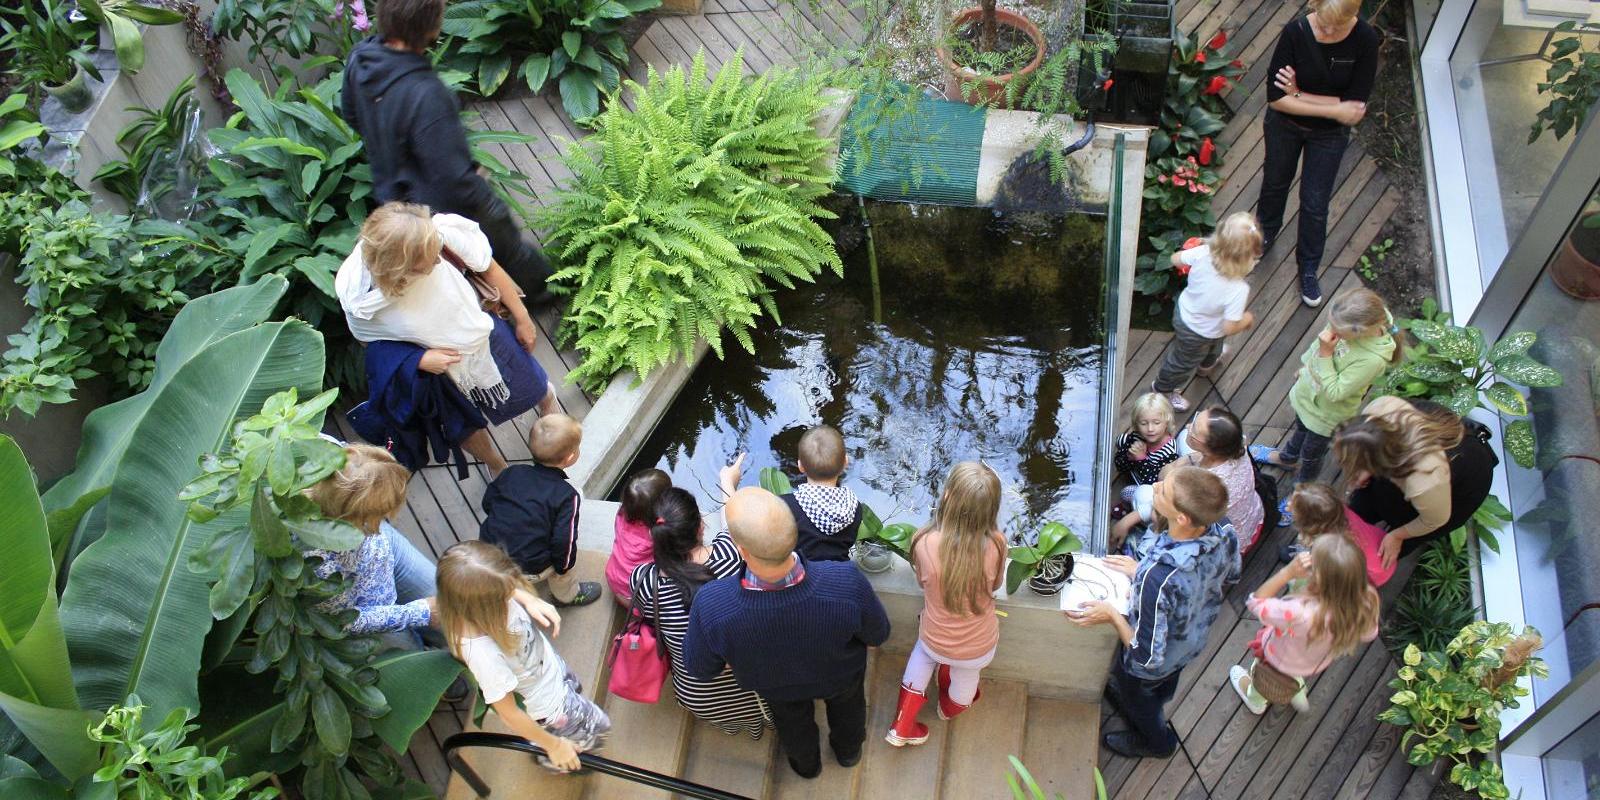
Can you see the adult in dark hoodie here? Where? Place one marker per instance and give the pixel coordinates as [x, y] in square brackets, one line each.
[411, 126]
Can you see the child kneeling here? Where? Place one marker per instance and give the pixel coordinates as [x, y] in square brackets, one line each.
[510, 657]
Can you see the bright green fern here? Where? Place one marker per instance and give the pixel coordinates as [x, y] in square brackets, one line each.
[685, 213]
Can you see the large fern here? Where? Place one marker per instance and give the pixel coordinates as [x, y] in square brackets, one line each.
[684, 214]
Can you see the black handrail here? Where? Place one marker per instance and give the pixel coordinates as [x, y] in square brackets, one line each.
[600, 764]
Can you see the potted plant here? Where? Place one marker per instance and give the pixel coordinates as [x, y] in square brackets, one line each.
[50, 52]
[120, 16]
[988, 55]
[1045, 563]
[1449, 701]
[1576, 267]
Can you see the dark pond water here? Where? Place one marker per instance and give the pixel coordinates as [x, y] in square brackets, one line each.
[988, 346]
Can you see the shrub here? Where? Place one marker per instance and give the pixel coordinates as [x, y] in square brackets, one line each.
[682, 215]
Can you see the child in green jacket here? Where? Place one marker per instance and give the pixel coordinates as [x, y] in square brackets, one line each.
[1338, 369]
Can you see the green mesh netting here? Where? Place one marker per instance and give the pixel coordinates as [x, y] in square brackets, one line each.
[922, 151]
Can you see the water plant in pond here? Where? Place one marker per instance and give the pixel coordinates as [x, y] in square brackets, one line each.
[683, 216]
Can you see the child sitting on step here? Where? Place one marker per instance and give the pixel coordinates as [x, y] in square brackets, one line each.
[510, 657]
[1149, 444]
[1303, 633]
[959, 560]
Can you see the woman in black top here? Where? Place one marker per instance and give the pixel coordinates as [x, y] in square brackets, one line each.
[1323, 70]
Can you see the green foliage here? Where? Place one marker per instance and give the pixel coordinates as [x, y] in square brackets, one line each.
[576, 43]
[681, 216]
[284, 28]
[102, 289]
[155, 764]
[267, 561]
[1374, 258]
[1183, 158]
[123, 17]
[1437, 602]
[152, 135]
[1024, 787]
[1449, 701]
[26, 184]
[44, 48]
[1455, 367]
[1054, 539]
[1572, 80]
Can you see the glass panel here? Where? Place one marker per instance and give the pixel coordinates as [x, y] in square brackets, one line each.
[1572, 768]
[1556, 503]
[1496, 68]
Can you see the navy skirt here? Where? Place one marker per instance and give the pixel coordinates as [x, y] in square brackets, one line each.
[524, 377]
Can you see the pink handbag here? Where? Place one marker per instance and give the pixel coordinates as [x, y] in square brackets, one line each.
[639, 661]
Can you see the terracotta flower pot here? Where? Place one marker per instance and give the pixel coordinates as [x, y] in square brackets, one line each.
[1576, 267]
[990, 89]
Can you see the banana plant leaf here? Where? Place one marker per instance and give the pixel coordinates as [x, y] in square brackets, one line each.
[201, 323]
[36, 690]
[135, 616]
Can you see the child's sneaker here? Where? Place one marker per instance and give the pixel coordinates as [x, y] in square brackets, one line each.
[1285, 519]
[1239, 679]
[1300, 702]
[1179, 404]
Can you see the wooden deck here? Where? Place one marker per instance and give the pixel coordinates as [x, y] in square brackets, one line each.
[1336, 751]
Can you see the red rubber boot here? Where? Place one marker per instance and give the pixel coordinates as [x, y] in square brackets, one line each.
[906, 729]
[949, 709]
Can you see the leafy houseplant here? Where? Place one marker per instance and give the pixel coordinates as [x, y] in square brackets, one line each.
[577, 43]
[690, 210]
[121, 17]
[285, 28]
[1436, 604]
[1572, 80]
[1449, 701]
[980, 73]
[151, 142]
[1455, 367]
[1054, 541]
[49, 51]
[155, 763]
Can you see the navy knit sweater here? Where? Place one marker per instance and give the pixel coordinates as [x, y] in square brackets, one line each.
[789, 644]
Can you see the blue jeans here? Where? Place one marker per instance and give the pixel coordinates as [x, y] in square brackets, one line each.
[1142, 702]
[414, 579]
[1315, 153]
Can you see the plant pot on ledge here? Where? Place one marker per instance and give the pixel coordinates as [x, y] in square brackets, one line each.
[1576, 267]
[74, 95]
[965, 85]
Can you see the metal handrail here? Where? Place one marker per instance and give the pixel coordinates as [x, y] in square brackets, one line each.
[600, 764]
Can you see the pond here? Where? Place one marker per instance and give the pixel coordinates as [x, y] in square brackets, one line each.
[987, 340]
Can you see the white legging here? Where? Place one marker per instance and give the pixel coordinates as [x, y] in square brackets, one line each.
[963, 672]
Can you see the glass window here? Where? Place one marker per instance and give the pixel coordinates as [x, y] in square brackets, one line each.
[1557, 503]
[1496, 67]
[1572, 768]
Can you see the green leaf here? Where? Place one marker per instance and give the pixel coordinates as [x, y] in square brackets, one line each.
[412, 682]
[108, 429]
[579, 95]
[1016, 573]
[326, 534]
[535, 71]
[1528, 372]
[1515, 344]
[263, 242]
[1433, 371]
[27, 581]
[235, 561]
[271, 535]
[32, 788]
[773, 480]
[1507, 399]
[17, 131]
[332, 720]
[127, 40]
[63, 523]
[287, 145]
[1519, 442]
[571, 41]
[135, 616]
[492, 72]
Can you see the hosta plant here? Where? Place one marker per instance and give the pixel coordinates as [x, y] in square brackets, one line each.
[577, 44]
[1455, 367]
[684, 215]
[1449, 701]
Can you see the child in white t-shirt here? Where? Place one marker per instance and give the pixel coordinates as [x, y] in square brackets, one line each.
[510, 658]
[1212, 306]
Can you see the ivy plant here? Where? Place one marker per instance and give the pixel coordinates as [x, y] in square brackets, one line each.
[1455, 367]
[576, 43]
[1572, 80]
[683, 216]
[266, 565]
[155, 764]
[1449, 701]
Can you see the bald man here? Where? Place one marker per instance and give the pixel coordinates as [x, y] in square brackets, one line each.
[794, 631]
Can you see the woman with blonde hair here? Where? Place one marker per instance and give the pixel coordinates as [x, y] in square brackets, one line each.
[959, 559]
[1212, 305]
[407, 282]
[510, 658]
[1323, 70]
[1303, 633]
[1413, 470]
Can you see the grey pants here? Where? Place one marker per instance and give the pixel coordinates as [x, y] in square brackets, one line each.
[582, 722]
[1187, 352]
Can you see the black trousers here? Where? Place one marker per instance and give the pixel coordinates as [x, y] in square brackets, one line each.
[796, 722]
[1381, 502]
[1315, 153]
[524, 262]
[1143, 704]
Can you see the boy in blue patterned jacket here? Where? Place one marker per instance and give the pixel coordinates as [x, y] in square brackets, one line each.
[1177, 593]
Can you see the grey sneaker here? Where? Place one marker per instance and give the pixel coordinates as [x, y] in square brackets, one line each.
[1179, 404]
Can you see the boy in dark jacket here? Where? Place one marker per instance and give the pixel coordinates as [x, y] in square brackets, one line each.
[828, 515]
[410, 126]
[532, 511]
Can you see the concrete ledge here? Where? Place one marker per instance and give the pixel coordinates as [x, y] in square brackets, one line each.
[624, 416]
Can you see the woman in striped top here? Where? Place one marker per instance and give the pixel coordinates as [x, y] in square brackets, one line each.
[664, 590]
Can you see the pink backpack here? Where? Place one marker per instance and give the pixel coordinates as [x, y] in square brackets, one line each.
[638, 660]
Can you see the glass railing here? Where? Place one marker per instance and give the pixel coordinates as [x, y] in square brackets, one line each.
[1111, 356]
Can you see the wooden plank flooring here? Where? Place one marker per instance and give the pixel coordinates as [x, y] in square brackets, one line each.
[1338, 750]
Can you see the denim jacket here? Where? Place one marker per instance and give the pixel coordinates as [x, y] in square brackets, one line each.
[1177, 594]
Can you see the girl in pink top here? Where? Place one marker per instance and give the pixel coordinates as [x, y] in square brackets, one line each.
[959, 559]
[632, 545]
[1303, 633]
[1318, 511]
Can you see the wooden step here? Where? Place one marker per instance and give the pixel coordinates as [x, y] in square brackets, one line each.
[647, 735]
[730, 762]
[975, 763]
[889, 771]
[1060, 743]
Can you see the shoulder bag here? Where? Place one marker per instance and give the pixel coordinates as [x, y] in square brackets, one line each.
[639, 663]
[488, 293]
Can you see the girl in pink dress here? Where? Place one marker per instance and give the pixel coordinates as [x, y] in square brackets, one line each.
[632, 546]
[1318, 511]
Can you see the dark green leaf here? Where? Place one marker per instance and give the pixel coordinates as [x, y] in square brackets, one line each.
[332, 720]
[271, 535]
[1526, 371]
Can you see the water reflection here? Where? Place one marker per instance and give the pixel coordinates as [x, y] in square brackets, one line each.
[989, 347]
